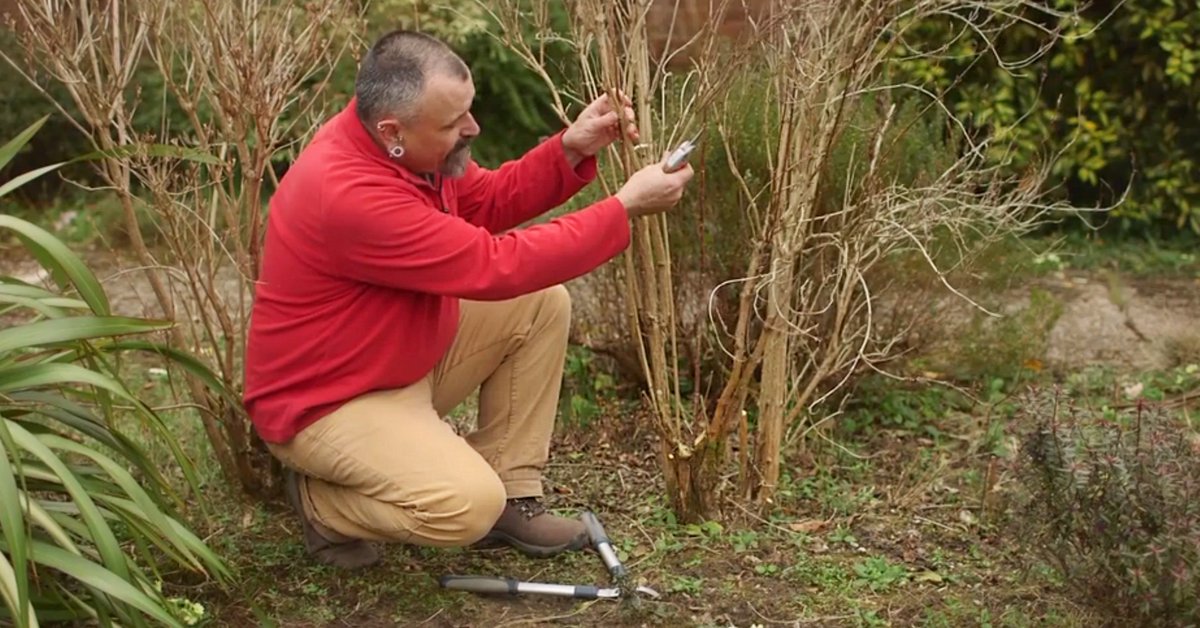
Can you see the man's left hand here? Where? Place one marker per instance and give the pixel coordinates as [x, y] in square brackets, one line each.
[597, 126]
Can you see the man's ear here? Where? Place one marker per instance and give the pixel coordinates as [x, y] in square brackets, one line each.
[390, 131]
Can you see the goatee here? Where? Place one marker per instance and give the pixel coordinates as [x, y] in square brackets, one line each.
[457, 161]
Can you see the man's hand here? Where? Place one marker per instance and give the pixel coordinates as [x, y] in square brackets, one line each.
[651, 190]
[597, 126]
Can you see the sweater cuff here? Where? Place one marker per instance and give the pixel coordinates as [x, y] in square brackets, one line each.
[580, 175]
[619, 231]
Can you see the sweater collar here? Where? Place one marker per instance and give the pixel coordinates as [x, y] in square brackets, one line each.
[348, 126]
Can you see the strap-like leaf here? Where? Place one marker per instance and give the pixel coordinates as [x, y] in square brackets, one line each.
[144, 506]
[94, 575]
[26, 177]
[13, 523]
[37, 305]
[176, 535]
[182, 358]
[23, 376]
[22, 610]
[102, 535]
[14, 146]
[80, 419]
[64, 265]
[46, 522]
[73, 328]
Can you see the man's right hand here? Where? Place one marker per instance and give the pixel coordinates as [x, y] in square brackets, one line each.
[650, 190]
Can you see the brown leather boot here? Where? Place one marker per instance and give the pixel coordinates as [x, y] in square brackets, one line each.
[527, 526]
[322, 543]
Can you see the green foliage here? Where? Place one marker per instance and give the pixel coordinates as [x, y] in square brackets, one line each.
[1112, 503]
[587, 387]
[1011, 344]
[878, 574]
[1176, 256]
[1118, 96]
[883, 402]
[81, 505]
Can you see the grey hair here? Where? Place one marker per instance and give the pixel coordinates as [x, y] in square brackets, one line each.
[393, 73]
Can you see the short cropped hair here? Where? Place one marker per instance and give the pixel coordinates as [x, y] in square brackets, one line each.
[393, 74]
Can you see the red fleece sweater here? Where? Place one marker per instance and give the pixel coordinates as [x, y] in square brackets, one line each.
[364, 264]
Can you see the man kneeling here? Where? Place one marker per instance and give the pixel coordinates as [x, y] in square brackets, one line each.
[395, 282]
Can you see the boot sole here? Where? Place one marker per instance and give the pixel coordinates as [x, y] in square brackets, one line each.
[496, 539]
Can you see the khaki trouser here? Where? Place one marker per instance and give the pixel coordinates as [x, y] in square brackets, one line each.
[386, 467]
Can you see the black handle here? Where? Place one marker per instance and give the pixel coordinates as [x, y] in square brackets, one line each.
[480, 584]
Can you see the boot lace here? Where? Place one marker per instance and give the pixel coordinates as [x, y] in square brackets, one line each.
[529, 507]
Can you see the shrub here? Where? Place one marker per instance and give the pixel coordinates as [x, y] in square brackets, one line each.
[1117, 95]
[1111, 501]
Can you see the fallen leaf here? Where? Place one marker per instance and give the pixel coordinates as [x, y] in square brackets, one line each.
[808, 525]
[928, 576]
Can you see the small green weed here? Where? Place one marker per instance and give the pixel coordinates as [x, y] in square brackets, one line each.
[842, 534]
[743, 540]
[826, 576]
[767, 569]
[691, 585]
[878, 574]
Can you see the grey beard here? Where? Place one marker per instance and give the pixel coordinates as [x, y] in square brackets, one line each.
[456, 162]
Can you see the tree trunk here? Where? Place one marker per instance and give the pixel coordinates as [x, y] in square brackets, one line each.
[692, 482]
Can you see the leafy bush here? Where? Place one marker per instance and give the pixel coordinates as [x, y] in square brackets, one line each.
[1118, 96]
[1112, 503]
[87, 519]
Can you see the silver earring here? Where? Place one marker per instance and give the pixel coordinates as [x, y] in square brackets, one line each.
[396, 151]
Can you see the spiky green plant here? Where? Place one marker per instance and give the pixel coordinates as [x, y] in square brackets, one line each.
[88, 523]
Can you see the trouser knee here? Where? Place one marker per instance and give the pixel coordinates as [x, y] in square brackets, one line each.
[556, 302]
[464, 512]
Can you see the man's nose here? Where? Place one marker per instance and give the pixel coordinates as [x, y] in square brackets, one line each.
[472, 128]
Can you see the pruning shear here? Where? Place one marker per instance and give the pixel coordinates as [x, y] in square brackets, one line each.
[489, 585]
[679, 156]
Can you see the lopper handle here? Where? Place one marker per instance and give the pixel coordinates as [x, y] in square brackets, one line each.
[603, 545]
[594, 529]
[487, 585]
